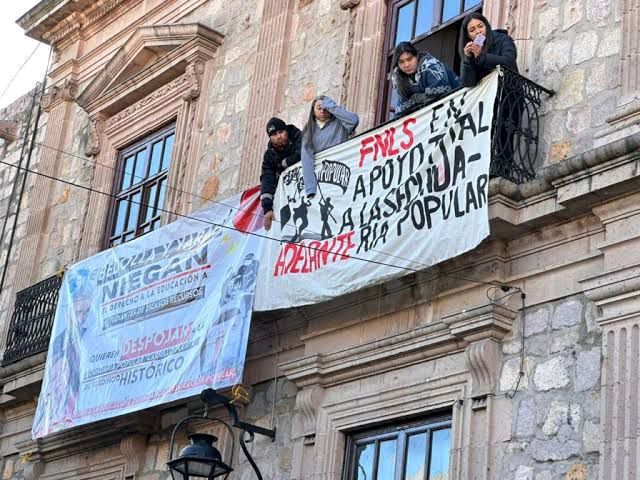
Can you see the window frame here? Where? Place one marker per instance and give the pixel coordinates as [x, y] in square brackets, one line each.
[119, 194]
[399, 431]
[384, 99]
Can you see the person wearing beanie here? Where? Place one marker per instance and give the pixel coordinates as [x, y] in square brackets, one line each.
[283, 150]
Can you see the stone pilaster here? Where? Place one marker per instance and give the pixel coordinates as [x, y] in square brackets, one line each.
[361, 75]
[133, 448]
[267, 86]
[630, 52]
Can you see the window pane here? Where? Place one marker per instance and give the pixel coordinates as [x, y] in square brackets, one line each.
[150, 202]
[168, 148]
[387, 460]
[163, 190]
[450, 9]
[425, 16]
[128, 172]
[470, 3]
[364, 462]
[121, 213]
[156, 158]
[416, 457]
[141, 167]
[405, 23]
[440, 446]
[133, 213]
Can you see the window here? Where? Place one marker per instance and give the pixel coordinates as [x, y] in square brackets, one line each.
[414, 451]
[432, 26]
[141, 186]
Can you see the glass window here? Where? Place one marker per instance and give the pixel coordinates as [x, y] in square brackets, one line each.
[417, 450]
[139, 201]
[424, 19]
[404, 29]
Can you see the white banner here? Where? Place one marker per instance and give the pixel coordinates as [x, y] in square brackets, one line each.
[154, 320]
[408, 195]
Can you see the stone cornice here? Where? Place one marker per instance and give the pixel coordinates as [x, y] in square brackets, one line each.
[51, 21]
[453, 334]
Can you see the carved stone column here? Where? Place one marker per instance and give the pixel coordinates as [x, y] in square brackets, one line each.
[361, 77]
[267, 86]
[304, 429]
[616, 291]
[483, 328]
[57, 102]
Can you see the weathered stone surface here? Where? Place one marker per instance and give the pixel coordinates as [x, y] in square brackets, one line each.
[584, 47]
[561, 413]
[578, 119]
[526, 420]
[570, 91]
[598, 10]
[511, 372]
[587, 370]
[591, 437]
[548, 22]
[572, 13]
[567, 314]
[601, 78]
[551, 374]
[536, 322]
[544, 475]
[553, 450]
[610, 44]
[524, 473]
[511, 348]
[556, 55]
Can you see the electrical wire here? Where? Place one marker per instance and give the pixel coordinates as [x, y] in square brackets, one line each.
[6, 88]
[318, 249]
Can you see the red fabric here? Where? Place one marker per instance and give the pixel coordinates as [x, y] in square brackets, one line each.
[249, 217]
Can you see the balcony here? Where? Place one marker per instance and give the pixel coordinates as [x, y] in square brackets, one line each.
[32, 320]
[515, 134]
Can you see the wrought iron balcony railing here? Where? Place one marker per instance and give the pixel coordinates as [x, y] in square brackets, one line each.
[516, 128]
[32, 320]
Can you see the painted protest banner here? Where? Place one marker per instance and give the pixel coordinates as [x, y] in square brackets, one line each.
[154, 320]
[412, 193]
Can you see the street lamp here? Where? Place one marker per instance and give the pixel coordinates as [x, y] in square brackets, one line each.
[200, 459]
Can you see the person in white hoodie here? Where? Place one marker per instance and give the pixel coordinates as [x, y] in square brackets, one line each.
[328, 125]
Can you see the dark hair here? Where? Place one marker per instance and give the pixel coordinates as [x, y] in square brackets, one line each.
[310, 127]
[464, 35]
[401, 78]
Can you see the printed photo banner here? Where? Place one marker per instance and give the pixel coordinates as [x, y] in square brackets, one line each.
[154, 320]
[410, 194]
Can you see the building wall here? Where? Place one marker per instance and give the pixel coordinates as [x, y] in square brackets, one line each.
[408, 347]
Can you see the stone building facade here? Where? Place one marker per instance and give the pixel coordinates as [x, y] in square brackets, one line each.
[429, 344]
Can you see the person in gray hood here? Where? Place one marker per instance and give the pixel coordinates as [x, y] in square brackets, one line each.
[328, 125]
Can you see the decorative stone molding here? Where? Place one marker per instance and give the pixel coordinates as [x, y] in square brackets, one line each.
[56, 94]
[307, 403]
[192, 77]
[483, 362]
[489, 321]
[8, 130]
[133, 447]
[96, 132]
[33, 469]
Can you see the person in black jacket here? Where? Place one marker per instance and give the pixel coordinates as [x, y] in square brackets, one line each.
[283, 150]
[479, 57]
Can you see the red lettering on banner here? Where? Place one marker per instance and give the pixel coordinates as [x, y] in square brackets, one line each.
[303, 258]
[155, 342]
[407, 131]
[384, 143]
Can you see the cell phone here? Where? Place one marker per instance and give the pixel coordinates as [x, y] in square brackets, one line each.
[479, 40]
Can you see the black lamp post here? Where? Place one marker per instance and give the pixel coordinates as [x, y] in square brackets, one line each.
[200, 459]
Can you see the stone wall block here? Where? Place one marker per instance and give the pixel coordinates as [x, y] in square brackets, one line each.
[536, 322]
[587, 373]
[567, 314]
[552, 374]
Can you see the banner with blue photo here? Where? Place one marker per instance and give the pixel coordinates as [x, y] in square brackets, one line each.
[154, 320]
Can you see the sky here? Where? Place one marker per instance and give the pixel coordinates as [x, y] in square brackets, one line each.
[16, 48]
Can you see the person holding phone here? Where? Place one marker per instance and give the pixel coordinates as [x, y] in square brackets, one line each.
[482, 49]
[418, 79]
